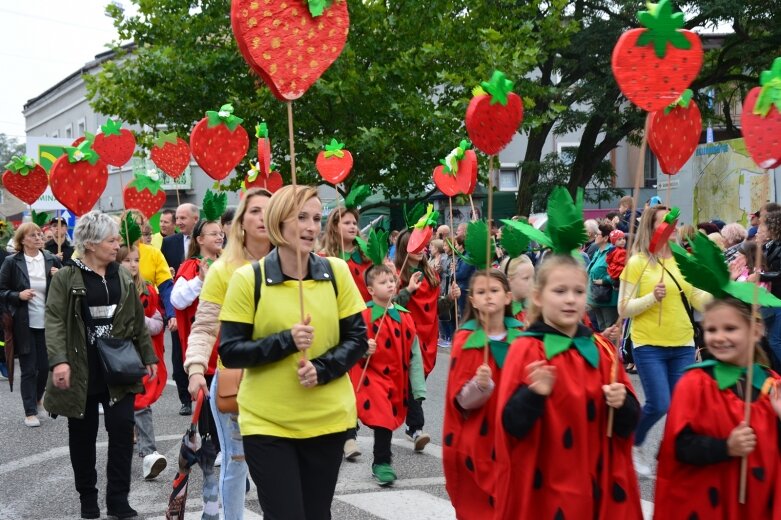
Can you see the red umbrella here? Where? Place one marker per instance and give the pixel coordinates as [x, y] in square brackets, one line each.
[188, 456]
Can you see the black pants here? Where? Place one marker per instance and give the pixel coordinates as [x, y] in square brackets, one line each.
[178, 373]
[35, 370]
[296, 478]
[415, 419]
[382, 446]
[82, 435]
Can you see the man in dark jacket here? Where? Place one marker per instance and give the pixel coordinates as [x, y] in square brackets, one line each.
[60, 245]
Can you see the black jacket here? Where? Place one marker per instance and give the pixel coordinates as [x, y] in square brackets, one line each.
[238, 349]
[772, 272]
[173, 250]
[66, 249]
[13, 280]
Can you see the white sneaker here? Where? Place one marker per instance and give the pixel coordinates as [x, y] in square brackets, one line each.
[643, 470]
[419, 439]
[154, 464]
[100, 408]
[218, 460]
[32, 421]
[351, 450]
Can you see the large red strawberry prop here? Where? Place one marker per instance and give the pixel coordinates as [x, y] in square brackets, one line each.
[334, 163]
[457, 175]
[78, 178]
[761, 119]
[115, 145]
[674, 133]
[219, 142]
[264, 148]
[171, 154]
[271, 181]
[290, 43]
[25, 179]
[654, 65]
[494, 114]
[422, 231]
[664, 231]
[144, 194]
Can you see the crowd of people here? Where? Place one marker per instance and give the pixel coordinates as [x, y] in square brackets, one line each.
[299, 331]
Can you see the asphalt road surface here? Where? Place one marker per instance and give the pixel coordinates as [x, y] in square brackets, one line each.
[36, 480]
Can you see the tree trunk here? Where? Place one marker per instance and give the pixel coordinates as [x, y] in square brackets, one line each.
[530, 167]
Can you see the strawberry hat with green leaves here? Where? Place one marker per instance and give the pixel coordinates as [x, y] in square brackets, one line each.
[129, 230]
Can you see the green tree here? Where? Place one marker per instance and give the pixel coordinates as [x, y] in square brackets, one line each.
[9, 147]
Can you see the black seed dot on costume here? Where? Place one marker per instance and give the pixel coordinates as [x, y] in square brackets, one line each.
[405, 366]
[759, 473]
[395, 410]
[366, 381]
[537, 483]
[469, 464]
[145, 303]
[713, 496]
[366, 405]
[452, 363]
[375, 328]
[390, 393]
[408, 334]
[596, 491]
[192, 320]
[568, 438]
[491, 501]
[484, 427]
[449, 439]
[694, 516]
[493, 454]
[591, 410]
[388, 343]
[426, 307]
[357, 272]
[599, 466]
[386, 370]
[559, 515]
[397, 333]
[619, 495]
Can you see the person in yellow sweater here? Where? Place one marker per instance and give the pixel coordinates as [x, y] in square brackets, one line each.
[661, 353]
[296, 401]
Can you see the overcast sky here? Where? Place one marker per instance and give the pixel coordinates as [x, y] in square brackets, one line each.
[42, 42]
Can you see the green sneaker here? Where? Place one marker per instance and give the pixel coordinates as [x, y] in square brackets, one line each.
[384, 474]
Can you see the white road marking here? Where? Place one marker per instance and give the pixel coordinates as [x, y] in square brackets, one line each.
[648, 509]
[401, 505]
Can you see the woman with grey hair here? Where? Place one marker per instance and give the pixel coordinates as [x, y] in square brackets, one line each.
[92, 298]
[734, 234]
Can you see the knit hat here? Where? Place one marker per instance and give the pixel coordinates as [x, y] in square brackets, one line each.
[615, 236]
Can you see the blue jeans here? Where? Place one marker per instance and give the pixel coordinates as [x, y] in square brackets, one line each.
[233, 473]
[773, 325]
[659, 368]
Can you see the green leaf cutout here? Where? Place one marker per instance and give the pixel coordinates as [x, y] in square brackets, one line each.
[662, 28]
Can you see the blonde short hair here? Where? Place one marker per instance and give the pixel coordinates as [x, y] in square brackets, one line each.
[282, 207]
[21, 232]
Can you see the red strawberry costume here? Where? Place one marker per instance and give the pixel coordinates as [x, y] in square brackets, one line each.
[553, 452]
[423, 307]
[358, 266]
[519, 312]
[185, 317]
[704, 410]
[153, 389]
[468, 435]
[382, 398]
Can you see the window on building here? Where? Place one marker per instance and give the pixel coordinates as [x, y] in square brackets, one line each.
[650, 169]
[69, 132]
[81, 127]
[509, 178]
[56, 134]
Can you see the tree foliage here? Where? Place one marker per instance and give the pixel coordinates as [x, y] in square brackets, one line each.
[9, 147]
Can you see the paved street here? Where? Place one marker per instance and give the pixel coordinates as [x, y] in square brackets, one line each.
[36, 481]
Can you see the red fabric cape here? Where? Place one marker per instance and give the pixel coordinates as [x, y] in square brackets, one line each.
[153, 389]
[468, 436]
[711, 492]
[423, 307]
[566, 459]
[185, 318]
[357, 270]
[382, 398]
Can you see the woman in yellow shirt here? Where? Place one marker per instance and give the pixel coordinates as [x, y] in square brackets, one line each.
[296, 401]
[661, 353]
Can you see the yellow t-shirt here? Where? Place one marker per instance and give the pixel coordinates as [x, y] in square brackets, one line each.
[157, 241]
[271, 399]
[216, 285]
[675, 329]
[152, 265]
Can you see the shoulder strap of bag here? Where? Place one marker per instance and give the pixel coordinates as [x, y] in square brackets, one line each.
[259, 280]
[684, 299]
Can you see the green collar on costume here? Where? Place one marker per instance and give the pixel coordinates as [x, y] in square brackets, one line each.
[517, 307]
[556, 344]
[728, 375]
[393, 311]
[354, 255]
[478, 338]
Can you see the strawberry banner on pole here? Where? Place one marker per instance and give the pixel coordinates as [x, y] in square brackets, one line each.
[219, 142]
[334, 164]
[263, 174]
[144, 193]
[25, 179]
[761, 119]
[78, 178]
[115, 145]
[171, 154]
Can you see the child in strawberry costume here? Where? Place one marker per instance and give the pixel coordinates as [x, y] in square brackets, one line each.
[518, 268]
[705, 435]
[340, 233]
[128, 256]
[558, 384]
[470, 402]
[393, 368]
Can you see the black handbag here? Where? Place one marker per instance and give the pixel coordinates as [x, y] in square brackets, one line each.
[698, 334]
[601, 293]
[120, 360]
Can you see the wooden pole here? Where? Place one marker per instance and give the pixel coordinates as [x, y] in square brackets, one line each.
[472, 204]
[453, 260]
[488, 254]
[294, 182]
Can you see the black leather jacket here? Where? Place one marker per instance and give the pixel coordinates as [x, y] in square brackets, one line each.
[238, 349]
[772, 272]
